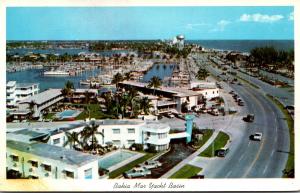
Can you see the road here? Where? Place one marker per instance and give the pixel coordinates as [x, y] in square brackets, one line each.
[250, 159]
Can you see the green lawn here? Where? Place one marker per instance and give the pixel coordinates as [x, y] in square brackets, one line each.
[186, 171]
[121, 170]
[95, 112]
[246, 81]
[290, 164]
[219, 142]
[206, 135]
[49, 116]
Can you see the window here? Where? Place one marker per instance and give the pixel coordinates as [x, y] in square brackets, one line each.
[130, 142]
[213, 92]
[205, 93]
[162, 135]
[88, 174]
[15, 158]
[56, 141]
[217, 91]
[69, 174]
[47, 167]
[131, 130]
[34, 163]
[116, 131]
[117, 142]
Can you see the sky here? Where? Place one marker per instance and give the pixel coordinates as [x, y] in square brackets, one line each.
[143, 23]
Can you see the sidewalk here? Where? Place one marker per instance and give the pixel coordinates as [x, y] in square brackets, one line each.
[191, 157]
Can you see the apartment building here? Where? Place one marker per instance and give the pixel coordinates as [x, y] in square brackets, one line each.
[16, 92]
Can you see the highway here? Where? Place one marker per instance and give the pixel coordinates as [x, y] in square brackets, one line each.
[253, 159]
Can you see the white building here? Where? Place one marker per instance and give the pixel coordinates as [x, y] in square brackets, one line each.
[41, 101]
[40, 160]
[16, 92]
[171, 99]
[207, 89]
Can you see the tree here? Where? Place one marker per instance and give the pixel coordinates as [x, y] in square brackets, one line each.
[128, 76]
[132, 94]
[72, 139]
[31, 108]
[117, 78]
[67, 91]
[145, 105]
[90, 131]
[154, 82]
[202, 74]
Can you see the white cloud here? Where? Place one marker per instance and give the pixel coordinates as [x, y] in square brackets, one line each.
[195, 25]
[221, 25]
[291, 16]
[257, 17]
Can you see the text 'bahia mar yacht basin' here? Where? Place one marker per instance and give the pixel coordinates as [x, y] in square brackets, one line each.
[147, 109]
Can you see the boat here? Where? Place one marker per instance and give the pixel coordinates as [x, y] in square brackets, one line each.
[56, 73]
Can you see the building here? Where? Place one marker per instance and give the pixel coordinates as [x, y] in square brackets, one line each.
[208, 90]
[40, 102]
[16, 92]
[39, 160]
[79, 95]
[170, 99]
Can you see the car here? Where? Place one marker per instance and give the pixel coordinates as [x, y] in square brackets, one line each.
[222, 152]
[231, 92]
[150, 164]
[256, 136]
[170, 115]
[198, 176]
[241, 103]
[180, 116]
[137, 172]
[249, 118]
[240, 84]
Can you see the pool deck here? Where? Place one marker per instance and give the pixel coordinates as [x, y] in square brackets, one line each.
[122, 163]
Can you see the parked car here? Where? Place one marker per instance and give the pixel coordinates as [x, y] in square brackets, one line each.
[231, 92]
[137, 172]
[180, 116]
[222, 152]
[256, 136]
[150, 164]
[214, 112]
[198, 176]
[240, 84]
[241, 103]
[170, 115]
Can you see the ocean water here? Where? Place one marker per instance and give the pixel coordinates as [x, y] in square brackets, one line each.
[160, 70]
[244, 45]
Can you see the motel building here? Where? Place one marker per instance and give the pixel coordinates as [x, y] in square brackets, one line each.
[39, 152]
[40, 102]
[169, 99]
[39, 160]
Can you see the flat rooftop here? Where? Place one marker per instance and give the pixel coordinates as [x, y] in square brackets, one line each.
[67, 156]
[181, 92]
[26, 85]
[11, 83]
[43, 96]
[120, 122]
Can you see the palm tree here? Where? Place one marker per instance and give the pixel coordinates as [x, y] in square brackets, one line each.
[202, 74]
[31, 108]
[67, 91]
[145, 105]
[90, 131]
[117, 78]
[132, 93]
[72, 139]
[154, 82]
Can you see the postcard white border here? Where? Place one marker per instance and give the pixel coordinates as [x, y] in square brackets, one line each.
[107, 185]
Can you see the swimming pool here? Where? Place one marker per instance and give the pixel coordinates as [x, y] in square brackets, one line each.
[115, 158]
[68, 114]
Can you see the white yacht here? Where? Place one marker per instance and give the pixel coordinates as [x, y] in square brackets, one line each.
[56, 73]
